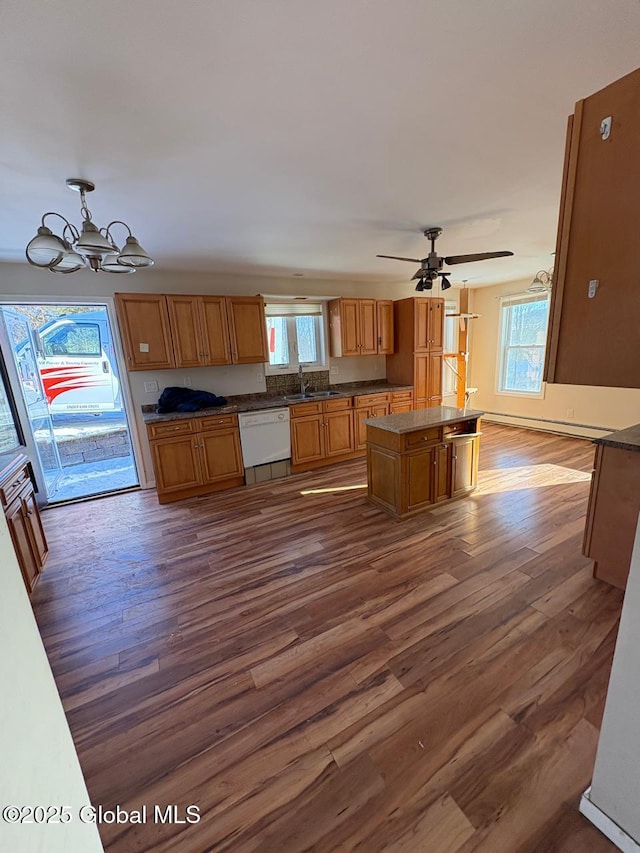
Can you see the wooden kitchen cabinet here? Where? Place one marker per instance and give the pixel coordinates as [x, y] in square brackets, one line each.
[368, 406]
[464, 462]
[23, 520]
[176, 330]
[176, 465]
[418, 359]
[384, 317]
[354, 327]
[614, 505]
[247, 329]
[307, 443]
[594, 341]
[221, 455]
[321, 432]
[200, 330]
[143, 319]
[430, 464]
[401, 401]
[195, 456]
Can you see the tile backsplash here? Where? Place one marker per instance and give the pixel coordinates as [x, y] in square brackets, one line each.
[289, 383]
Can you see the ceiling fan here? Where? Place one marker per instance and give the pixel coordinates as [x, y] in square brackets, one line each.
[431, 266]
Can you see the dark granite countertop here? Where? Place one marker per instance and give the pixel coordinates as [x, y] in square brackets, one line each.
[423, 418]
[256, 402]
[625, 439]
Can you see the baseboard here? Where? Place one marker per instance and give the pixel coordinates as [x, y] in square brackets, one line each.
[607, 827]
[559, 427]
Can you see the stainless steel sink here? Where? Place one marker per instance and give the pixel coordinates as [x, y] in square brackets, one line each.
[310, 395]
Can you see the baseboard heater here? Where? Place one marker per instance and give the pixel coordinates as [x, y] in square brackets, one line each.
[547, 425]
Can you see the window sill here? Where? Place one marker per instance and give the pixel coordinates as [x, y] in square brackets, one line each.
[530, 395]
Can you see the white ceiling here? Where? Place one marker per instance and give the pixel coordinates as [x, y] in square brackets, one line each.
[282, 136]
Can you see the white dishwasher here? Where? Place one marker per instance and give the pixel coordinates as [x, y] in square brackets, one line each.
[264, 436]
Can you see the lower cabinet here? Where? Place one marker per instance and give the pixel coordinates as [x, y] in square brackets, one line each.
[411, 472]
[366, 407]
[401, 401]
[195, 456]
[321, 432]
[612, 513]
[23, 520]
[464, 462]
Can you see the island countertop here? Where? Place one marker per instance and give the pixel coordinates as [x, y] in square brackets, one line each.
[423, 418]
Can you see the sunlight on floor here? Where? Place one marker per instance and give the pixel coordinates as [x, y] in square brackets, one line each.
[493, 480]
[332, 489]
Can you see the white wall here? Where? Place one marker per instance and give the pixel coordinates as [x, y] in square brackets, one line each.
[38, 764]
[615, 789]
[22, 281]
[607, 408]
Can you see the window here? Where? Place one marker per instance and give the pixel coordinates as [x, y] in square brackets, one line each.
[523, 321]
[74, 339]
[295, 334]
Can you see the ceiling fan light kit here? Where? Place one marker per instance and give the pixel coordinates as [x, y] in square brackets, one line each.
[92, 247]
[431, 266]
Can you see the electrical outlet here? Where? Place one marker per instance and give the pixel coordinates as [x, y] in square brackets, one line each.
[151, 387]
[187, 382]
[259, 378]
[571, 413]
[334, 370]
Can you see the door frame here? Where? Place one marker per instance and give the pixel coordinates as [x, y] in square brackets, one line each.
[123, 375]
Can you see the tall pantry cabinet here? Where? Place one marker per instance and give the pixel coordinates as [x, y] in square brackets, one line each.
[418, 357]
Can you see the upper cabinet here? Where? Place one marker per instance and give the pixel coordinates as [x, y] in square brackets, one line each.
[593, 339]
[191, 331]
[354, 327]
[143, 319]
[248, 329]
[385, 326]
[200, 330]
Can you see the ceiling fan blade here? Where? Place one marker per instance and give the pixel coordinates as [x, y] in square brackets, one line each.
[418, 274]
[480, 256]
[396, 258]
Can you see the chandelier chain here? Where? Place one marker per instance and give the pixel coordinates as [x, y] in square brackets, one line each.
[86, 213]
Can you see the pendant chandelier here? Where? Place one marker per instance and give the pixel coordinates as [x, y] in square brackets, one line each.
[542, 282]
[93, 248]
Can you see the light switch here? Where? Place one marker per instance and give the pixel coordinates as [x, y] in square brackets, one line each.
[144, 347]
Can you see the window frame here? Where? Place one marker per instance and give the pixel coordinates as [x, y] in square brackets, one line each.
[320, 328]
[507, 302]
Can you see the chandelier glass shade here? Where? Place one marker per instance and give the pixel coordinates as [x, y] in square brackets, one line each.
[90, 248]
[542, 282]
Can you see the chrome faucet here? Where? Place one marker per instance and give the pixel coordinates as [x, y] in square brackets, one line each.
[303, 385]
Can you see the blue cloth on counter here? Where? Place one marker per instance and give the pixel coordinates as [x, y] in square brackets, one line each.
[176, 399]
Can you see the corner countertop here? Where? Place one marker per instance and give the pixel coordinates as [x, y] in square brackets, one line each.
[625, 439]
[423, 418]
[257, 402]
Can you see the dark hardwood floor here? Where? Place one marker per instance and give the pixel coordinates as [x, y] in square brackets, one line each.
[316, 676]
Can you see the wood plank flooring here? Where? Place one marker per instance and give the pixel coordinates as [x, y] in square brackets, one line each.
[317, 676]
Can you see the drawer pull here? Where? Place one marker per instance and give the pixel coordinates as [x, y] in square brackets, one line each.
[462, 435]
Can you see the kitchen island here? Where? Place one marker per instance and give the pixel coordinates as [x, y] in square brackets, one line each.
[422, 459]
[614, 504]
